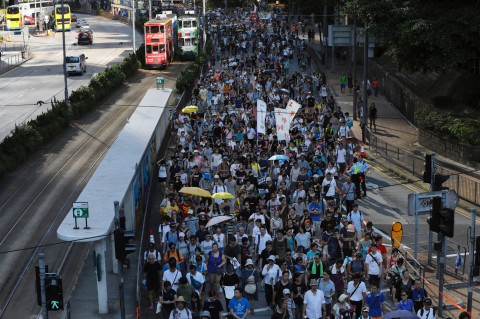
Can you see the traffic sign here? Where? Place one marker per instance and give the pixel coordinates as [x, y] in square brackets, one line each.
[421, 203]
[17, 32]
[80, 210]
[160, 80]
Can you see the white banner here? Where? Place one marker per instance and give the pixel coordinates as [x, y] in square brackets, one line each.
[261, 114]
[282, 121]
[292, 109]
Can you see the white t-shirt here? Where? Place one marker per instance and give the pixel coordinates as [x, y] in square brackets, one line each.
[181, 314]
[332, 185]
[356, 294]
[261, 241]
[341, 155]
[374, 261]
[198, 277]
[314, 303]
[219, 239]
[423, 314]
[172, 277]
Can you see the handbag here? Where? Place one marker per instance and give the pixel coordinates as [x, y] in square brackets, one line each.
[159, 307]
[251, 286]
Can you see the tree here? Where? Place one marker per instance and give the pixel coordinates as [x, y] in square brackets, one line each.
[423, 35]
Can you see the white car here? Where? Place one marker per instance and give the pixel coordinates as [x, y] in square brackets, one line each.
[81, 23]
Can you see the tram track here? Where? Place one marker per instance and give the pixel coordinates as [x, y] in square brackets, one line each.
[39, 198]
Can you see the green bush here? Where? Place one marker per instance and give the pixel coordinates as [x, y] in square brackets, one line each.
[466, 130]
[26, 138]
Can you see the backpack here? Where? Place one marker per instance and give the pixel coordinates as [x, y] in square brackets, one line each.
[350, 215]
[157, 255]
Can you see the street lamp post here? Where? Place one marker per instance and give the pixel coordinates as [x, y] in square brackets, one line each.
[64, 55]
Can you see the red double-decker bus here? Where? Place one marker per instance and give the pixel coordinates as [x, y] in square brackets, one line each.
[159, 41]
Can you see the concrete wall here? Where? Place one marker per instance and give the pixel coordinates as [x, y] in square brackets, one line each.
[449, 148]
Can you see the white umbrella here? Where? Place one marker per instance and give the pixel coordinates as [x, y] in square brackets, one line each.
[218, 220]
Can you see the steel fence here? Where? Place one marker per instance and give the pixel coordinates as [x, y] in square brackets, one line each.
[10, 58]
[464, 184]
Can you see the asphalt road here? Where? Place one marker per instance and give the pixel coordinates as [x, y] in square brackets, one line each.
[41, 78]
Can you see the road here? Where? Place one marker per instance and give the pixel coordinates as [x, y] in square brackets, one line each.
[36, 197]
[41, 78]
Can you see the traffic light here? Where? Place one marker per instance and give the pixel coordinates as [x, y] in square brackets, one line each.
[122, 247]
[434, 218]
[447, 221]
[476, 259]
[427, 171]
[54, 292]
[37, 284]
[438, 182]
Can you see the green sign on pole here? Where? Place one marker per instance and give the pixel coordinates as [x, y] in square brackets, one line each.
[80, 210]
[160, 81]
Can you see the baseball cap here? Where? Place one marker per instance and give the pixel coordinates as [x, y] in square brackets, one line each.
[428, 301]
[286, 291]
[271, 257]
[216, 176]
[366, 309]
[151, 245]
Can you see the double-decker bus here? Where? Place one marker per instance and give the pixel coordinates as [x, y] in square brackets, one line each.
[63, 18]
[13, 18]
[188, 35]
[24, 13]
[160, 41]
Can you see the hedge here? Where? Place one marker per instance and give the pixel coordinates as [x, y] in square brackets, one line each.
[186, 80]
[28, 137]
[466, 130]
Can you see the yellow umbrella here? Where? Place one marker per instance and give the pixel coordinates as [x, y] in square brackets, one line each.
[190, 109]
[223, 195]
[195, 191]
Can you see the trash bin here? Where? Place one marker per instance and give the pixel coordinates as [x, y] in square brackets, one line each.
[23, 55]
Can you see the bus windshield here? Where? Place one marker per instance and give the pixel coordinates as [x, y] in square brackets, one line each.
[13, 10]
[59, 10]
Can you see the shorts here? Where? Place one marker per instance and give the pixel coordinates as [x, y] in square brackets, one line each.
[162, 179]
[343, 86]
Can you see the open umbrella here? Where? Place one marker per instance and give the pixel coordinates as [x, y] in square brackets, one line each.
[190, 109]
[195, 191]
[284, 90]
[219, 220]
[223, 195]
[402, 314]
[279, 158]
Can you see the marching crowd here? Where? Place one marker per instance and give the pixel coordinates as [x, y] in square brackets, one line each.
[293, 228]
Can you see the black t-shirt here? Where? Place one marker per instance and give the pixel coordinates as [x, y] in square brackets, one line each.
[232, 251]
[325, 224]
[168, 295]
[298, 291]
[265, 254]
[214, 307]
[279, 290]
[196, 176]
[253, 201]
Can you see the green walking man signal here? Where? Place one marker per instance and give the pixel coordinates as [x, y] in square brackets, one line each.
[54, 292]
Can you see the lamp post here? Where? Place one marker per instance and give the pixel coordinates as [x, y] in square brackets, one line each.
[64, 55]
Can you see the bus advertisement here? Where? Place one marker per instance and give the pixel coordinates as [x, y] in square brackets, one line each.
[159, 41]
[63, 18]
[188, 36]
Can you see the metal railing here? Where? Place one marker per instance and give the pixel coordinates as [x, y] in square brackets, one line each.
[465, 185]
[11, 58]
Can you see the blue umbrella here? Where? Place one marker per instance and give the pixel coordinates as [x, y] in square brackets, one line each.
[279, 158]
[402, 314]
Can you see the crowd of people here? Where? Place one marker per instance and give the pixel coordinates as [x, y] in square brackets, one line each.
[294, 229]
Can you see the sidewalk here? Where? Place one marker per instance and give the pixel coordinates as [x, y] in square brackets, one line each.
[395, 130]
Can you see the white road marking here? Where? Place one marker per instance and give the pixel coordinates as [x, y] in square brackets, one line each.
[32, 89]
